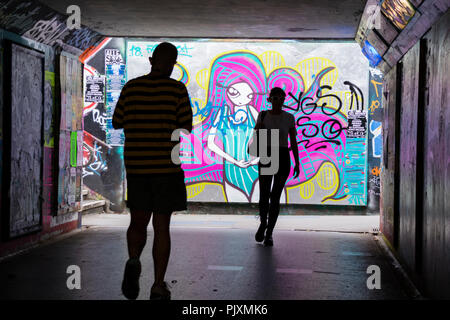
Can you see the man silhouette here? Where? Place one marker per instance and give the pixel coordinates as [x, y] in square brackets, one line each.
[149, 109]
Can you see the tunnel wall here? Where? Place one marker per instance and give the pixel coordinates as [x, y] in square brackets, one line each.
[408, 41]
[334, 174]
[416, 171]
[49, 223]
[436, 167]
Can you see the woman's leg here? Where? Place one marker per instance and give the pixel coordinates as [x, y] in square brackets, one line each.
[279, 181]
[265, 182]
[275, 195]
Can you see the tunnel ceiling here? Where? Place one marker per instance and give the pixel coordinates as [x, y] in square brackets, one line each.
[287, 19]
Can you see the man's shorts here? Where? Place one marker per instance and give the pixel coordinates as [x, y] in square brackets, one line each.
[164, 193]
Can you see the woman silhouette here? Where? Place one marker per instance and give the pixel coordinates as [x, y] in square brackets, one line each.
[269, 194]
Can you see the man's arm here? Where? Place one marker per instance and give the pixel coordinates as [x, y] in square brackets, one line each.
[117, 120]
[184, 111]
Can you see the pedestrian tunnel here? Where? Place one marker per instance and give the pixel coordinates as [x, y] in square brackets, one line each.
[365, 84]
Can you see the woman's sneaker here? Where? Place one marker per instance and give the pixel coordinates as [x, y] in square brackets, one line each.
[268, 240]
[130, 283]
[259, 236]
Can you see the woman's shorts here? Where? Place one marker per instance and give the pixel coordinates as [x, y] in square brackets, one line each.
[164, 193]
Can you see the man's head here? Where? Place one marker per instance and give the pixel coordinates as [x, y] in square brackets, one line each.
[164, 59]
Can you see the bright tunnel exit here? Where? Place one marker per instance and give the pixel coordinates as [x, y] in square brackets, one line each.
[333, 93]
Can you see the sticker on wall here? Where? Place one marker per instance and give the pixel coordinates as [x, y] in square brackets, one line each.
[73, 148]
[398, 11]
[371, 54]
[375, 130]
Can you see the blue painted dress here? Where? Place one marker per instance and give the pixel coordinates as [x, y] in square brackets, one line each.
[236, 137]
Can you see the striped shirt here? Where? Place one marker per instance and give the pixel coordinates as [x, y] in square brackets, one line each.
[149, 109]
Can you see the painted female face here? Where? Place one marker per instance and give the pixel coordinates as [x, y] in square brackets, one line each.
[240, 94]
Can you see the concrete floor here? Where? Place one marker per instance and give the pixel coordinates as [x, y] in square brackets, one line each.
[210, 261]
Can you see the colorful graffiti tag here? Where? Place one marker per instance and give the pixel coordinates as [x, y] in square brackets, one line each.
[375, 140]
[226, 98]
[398, 11]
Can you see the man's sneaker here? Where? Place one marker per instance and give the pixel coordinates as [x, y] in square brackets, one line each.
[130, 283]
[160, 293]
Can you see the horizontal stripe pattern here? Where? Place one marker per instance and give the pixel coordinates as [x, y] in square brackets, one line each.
[149, 109]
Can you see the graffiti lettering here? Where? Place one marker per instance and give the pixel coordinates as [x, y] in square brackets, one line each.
[98, 164]
[99, 118]
[330, 129]
[312, 130]
[82, 38]
[301, 105]
[47, 31]
[139, 51]
[353, 89]
[375, 85]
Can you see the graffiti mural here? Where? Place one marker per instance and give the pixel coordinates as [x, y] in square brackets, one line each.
[229, 84]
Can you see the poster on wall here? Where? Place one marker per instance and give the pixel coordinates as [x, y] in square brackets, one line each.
[234, 78]
[23, 135]
[95, 88]
[115, 80]
[356, 124]
[70, 128]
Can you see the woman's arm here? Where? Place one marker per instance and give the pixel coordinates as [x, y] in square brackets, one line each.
[257, 117]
